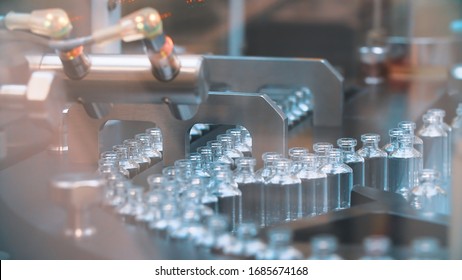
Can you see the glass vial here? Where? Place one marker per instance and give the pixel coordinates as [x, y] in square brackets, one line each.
[375, 162]
[339, 181]
[321, 149]
[251, 187]
[229, 197]
[448, 143]
[239, 141]
[352, 159]
[376, 247]
[434, 143]
[127, 165]
[324, 247]
[425, 248]
[404, 167]
[393, 145]
[157, 139]
[428, 196]
[269, 158]
[314, 186]
[294, 156]
[409, 128]
[282, 194]
[279, 248]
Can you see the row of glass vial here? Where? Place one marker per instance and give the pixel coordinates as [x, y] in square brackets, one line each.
[135, 155]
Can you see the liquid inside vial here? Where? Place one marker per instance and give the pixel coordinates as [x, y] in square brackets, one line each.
[314, 196]
[252, 203]
[375, 172]
[358, 172]
[282, 203]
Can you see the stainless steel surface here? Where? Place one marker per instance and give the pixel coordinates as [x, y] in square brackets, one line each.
[268, 128]
[249, 74]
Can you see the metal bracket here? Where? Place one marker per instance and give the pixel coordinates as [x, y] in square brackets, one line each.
[250, 74]
[265, 121]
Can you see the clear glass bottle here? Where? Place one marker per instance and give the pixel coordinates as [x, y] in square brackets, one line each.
[135, 153]
[207, 159]
[457, 121]
[279, 246]
[127, 164]
[324, 247]
[247, 244]
[409, 128]
[217, 236]
[428, 196]
[114, 158]
[393, 145]
[434, 143]
[153, 202]
[246, 136]
[352, 159]
[217, 152]
[155, 181]
[322, 149]
[377, 247]
[227, 142]
[251, 186]
[448, 143]
[294, 156]
[229, 197]
[147, 148]
[197, 165]
[426, 248]
[282, 194]
[339, 181]
[183, 174]
[190, 224]
[267, 171]
[133, 206]
[169, 220]
[157, 139]
[375, 162]
[404, 167]
[314, 186]
[239, 141]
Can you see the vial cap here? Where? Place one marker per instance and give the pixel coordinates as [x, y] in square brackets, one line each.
[245, 161]
[295, 152]
[438, 112]
[271, 156]
[407, 125]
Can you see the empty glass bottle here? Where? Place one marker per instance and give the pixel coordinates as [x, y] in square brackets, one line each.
[134, 153]
[428, 196]
[282, 194]
[377, 247]
[197, 166]
[133, 206]
[239, 141]
[229, 149]
[375, 162]
[426, 248]
[152, 211]
[147, 148]
[251, 187]
[267, 171]
[339, 181]
[217, 152]
[409, 128]
[324, 247]
[457, 121]
[393, 145]
[434, 140]
[314, 186]
[294, 156]
[183, 174]
[157, 139]
[190, 224]
[247, 244]
[229, 197]
[127, 164]
[352, 159]
[448, 142]
[404, 167]
[321, 149]
[279, 246]
[217, 236]
[207, 159]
